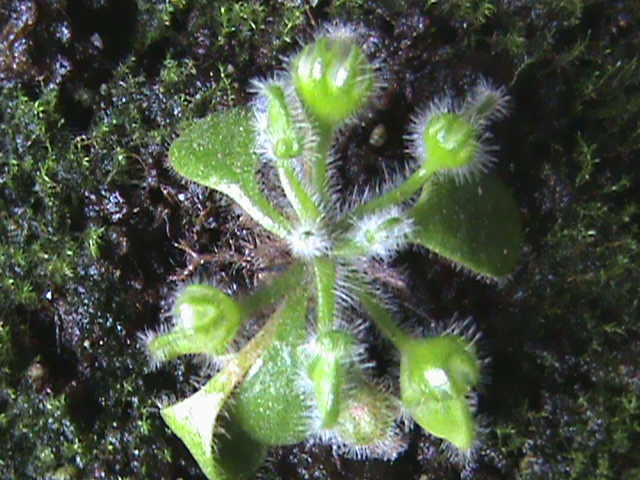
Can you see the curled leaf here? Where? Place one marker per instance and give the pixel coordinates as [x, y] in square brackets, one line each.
[195, 418]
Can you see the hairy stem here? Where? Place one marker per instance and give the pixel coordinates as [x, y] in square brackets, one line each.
[320, 170]
[384, 320]
[270, 294]
[325, 274]
[396, 196]
[300, 200]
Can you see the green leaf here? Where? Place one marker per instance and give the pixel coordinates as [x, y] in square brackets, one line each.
[271, 404]
[239, 455]
[475, 224]
[332, 353]
[218, 152]
[448, 418]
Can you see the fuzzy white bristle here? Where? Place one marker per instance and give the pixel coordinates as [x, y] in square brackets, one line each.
[146, 337]
[487, 101]
[309, 240]
[387, 241]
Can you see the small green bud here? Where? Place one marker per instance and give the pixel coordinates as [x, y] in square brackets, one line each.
[205, 322]
[436, 374]
[451, 138]
[366, 424]
[332, 352]
[333, 78]
[451, 142]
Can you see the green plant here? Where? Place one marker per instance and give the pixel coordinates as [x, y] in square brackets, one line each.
[293, 381]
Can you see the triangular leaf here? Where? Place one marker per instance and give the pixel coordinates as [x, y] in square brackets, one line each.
[476, 224]
[218, 152]
[194, 420]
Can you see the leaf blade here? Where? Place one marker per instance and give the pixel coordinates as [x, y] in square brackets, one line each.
[218, 152]
[475, 224]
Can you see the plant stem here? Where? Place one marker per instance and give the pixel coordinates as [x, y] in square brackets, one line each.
[396, 196]
[383, 319]
[300, 200]
[259, 208]
[320, 164]
[325, 274]
[273, 292]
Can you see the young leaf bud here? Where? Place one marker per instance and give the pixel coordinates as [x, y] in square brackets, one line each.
[377, 235]
[333, 77]
[451, 138]
[205, 321]
[436, 374]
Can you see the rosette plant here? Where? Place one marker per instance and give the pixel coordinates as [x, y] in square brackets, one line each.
[304, 375]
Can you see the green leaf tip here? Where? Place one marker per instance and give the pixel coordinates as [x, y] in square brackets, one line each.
[193, 420]
[220, 447]
[218, 152]
[475, 224]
